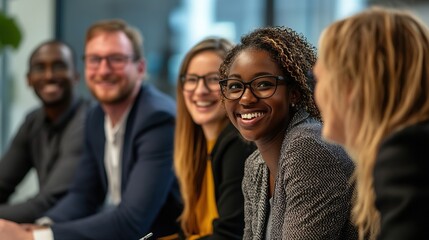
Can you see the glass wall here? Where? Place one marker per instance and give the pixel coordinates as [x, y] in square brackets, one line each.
[192, 21]
[170, 28]
[310, 17]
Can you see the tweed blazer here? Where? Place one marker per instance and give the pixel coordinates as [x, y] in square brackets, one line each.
[311, 198]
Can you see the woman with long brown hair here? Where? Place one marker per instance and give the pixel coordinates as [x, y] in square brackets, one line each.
[209, 153]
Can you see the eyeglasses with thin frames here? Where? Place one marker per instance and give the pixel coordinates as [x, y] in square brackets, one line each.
[115, 61]
[190, 81]
[261, 87]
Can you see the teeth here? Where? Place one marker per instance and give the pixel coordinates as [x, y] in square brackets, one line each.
[51, 88]
[203, 104]
[248, 116]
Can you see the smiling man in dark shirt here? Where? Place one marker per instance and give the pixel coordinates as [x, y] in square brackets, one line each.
[50, 140]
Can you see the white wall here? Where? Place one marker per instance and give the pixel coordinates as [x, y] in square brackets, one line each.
[36, 18]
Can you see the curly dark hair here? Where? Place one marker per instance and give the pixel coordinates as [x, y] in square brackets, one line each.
[292, 52]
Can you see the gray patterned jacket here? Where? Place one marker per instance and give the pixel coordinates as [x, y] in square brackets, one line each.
[312, 193]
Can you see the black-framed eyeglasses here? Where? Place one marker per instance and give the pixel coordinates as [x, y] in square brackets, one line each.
[261, 87]
[190, 81]
[115, 61]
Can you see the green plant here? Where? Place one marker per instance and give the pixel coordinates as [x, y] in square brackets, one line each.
[10, 34]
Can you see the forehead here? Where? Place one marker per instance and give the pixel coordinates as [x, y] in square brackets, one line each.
[204, 61]
[52, 52]
[253, 61]
[109, 43]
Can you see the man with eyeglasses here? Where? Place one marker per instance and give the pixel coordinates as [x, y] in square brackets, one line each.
[50, 138]
[125, 186]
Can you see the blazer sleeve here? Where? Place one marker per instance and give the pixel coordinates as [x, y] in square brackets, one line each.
[146, 190]
[57, 180]
[230, 202]
[401, 183]
[247, 182]
[315, 180]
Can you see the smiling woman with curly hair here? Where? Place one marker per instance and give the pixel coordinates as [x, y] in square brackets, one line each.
[296, 186]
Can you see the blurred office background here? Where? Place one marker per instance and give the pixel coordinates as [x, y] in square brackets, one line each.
[169, 27]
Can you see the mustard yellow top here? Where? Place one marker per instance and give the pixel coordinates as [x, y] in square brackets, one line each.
[206, 210]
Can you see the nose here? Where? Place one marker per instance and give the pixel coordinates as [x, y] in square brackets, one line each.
[104, 67]
[248, 97]
[48, 73]
[201, 86]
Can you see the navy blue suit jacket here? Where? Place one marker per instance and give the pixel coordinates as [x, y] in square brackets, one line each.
[150, 195]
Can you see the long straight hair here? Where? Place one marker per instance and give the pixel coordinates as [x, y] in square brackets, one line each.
[380, 57]
[190, 146]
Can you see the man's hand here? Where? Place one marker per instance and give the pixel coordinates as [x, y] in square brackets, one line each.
[13, 231]
[31, 227]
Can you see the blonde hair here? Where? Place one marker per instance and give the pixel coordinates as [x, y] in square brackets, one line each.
[379, 57]
[118, 25]
[190, 146]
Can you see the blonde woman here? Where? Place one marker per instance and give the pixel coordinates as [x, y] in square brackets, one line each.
[373, 94]
[209, 153]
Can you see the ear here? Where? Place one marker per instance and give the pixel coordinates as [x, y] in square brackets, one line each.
[29, 80]
[141, 66]
[295, 96]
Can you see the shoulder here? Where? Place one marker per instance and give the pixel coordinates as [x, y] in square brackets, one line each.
[304, 146]
[303, 135]
[152, 107]
[152, 115]
[231, 138]
[307, 136]
[33, 114]
[152, 99]
[416, 135]
[406, 146]
[33, 120]
[95, 114]
[85, 104]
[231, 150]
[302, 128]
[81, 109]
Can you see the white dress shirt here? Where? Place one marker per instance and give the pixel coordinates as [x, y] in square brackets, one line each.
[112, 157]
